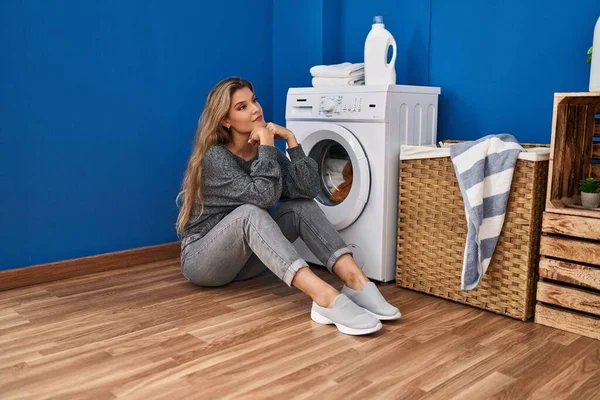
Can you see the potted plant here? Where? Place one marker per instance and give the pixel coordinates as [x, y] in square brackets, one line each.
[590, 198]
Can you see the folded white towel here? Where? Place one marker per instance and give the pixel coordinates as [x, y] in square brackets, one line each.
[352, 81]
[343, 70]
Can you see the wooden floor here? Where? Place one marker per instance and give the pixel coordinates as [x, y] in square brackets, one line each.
[145, 332]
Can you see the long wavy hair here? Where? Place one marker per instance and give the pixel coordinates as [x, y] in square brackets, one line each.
[210, 131]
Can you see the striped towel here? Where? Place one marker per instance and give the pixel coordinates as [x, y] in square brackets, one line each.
[484, 170]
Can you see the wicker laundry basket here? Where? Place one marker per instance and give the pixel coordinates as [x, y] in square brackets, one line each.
[432, 232]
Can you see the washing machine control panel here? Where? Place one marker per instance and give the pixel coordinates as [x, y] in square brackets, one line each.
[340, 105]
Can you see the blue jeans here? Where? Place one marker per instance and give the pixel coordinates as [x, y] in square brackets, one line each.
[251, 239]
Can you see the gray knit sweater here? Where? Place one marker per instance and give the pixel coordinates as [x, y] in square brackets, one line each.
[230, 181]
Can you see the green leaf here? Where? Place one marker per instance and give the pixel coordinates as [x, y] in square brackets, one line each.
[589, 53]
[589, 185]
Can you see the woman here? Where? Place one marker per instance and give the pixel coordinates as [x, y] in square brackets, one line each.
[233, 223]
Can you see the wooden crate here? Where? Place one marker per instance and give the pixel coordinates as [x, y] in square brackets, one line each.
[574, 153]
[568, 292]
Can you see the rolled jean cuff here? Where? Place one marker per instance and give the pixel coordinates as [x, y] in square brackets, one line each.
[288, 277]
[334, 257]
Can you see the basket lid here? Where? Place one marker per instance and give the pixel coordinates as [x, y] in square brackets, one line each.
[411, 152]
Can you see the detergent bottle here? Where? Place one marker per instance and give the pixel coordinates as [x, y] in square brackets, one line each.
[377, 70]
[595, 67]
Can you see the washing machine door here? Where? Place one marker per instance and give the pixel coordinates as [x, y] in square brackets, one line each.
[344, 171]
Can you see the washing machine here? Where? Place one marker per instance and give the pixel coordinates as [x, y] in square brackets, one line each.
[355, 133]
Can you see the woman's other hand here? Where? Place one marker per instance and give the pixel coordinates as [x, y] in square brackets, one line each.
[282, 133]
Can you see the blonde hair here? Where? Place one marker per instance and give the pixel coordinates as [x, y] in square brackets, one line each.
[210, 131]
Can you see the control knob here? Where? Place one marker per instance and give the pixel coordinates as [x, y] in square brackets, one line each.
[328, 104]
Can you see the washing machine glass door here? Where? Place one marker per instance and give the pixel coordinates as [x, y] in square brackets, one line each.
[344, 170]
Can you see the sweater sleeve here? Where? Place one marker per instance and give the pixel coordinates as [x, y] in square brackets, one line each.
[301, 175]
[225, 183]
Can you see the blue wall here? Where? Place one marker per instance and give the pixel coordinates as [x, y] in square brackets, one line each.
[98, 106]
[499, 62]
[99, 99]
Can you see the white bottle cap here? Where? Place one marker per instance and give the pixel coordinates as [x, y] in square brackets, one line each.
[378, 19]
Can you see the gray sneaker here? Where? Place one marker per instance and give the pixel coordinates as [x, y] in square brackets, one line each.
[373, 302]
[346, 316]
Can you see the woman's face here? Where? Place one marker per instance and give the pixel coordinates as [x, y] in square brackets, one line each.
[245, 112]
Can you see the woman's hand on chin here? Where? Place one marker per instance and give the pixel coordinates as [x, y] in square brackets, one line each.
[261, 135]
